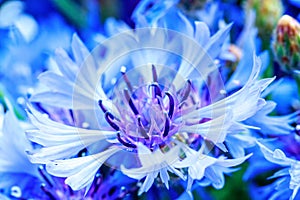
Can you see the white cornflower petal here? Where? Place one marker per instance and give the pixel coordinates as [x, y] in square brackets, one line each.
[214, 130]
[152, 164]
[276, 156]
[82, 168]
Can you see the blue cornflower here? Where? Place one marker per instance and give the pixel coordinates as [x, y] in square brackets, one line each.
[168, 15]
[287, 181]
[150, 11]
[240, 54]
[286, 96]
[13, 145]
[26, 45]
[148, 102]
[213, 13]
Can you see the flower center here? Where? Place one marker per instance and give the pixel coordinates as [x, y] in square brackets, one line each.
[150, 114]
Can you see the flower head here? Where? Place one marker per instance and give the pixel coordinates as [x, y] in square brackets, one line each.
[286, 45]
[148, 102]
[287, 179]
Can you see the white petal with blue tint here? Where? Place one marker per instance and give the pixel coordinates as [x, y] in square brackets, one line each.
[79, 50]
[80, 171]
[59, 140]
[152, 164]
[66, 88]
[214, 130]
[243, 103]
[295, 180]
[199, 163]
[13, 144]
[276, 156]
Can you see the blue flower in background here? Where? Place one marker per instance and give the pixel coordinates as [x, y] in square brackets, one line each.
[286, 96]
[149, 11]
[167, 14]
[27, 46]
[287, 181]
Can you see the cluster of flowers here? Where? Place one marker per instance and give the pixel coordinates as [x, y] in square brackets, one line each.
[163, 105]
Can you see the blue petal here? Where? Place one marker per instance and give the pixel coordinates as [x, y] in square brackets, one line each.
[276, 156]
[272, 125]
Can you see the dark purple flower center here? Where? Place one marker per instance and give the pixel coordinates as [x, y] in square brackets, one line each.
[151, 113]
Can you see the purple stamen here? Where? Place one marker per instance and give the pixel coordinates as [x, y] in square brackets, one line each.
[157, 91]
[127, 81]
[171, 104]
[186, 90]
[142, 129]
[182, 104]
[72, 116]
[109, 117]
[167, 127]
[131, 104]
[125, 143]
[140, 121]
[154, 74]
[100, 103]
[193, 100]
[150, 120]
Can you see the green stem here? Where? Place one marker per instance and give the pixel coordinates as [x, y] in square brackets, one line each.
[72, 11]
[297, 78]
[19, 112]
[269, 72]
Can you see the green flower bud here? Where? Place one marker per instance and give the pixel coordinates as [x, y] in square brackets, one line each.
[268, 13]
[286, 43]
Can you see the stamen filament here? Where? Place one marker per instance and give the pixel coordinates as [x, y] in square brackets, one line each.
[154, 73]
[126, 79]
[167, 127]
[157, 91]
[131, 104]
[142, 129]
[125, 143]
[186, 91]
[100, 103]
[171, 104]
[109, 117]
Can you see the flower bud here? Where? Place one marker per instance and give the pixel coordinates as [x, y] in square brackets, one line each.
[286, 44]
[267, 14]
